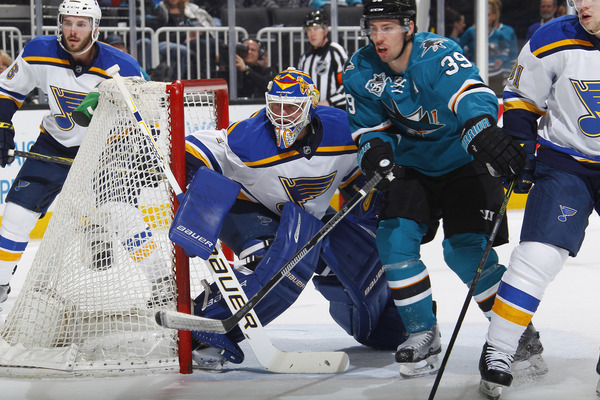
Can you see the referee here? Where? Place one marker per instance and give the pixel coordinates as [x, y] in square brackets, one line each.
[324, 61]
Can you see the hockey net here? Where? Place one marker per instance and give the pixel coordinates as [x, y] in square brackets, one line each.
[106, 264]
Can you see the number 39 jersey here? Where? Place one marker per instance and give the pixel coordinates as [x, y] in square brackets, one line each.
[422, 110]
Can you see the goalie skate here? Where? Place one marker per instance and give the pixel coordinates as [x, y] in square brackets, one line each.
[418, 355]
[494, 367]
[208, 358]
[528, 358]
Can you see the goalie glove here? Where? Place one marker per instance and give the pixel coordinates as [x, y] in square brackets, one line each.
[7, 142]
[492, 147]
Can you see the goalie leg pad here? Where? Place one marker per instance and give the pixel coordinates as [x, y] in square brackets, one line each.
[360, 298]
[247, 222]
[297, 227]
[199, 218]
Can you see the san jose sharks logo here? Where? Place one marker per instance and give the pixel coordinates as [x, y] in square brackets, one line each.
[433, 44]
[589, 95]
[301, 190]
[418, 123]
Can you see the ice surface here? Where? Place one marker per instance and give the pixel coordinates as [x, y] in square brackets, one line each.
[567, 320]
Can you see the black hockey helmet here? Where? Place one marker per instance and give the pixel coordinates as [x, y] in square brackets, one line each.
[402, 10]
[315, 18]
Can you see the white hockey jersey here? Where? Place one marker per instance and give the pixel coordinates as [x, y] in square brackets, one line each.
[307, 174]
[44, 64]
[557, 78]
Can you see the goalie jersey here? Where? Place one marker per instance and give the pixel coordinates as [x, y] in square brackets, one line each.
[307, 173]
[557, 78]
[422, 110]
[44, 64]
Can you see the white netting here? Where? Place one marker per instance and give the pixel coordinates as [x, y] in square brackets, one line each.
[106, 264]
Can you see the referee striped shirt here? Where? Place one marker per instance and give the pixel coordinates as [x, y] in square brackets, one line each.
[325, 66]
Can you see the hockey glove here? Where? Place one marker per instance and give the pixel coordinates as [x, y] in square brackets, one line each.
[376, 155]
[492, 147]
[525, 178]
[7, 142]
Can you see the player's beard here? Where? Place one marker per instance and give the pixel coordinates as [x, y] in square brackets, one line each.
[79, 46]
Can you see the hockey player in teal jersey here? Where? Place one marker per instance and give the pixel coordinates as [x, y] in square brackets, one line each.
[554, 81]
[65, 67]
[415, 99]
[292, 155]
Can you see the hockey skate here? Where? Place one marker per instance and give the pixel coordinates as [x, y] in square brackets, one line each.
[528, 359]
[494, 367]
[208, 358]
[418, 354]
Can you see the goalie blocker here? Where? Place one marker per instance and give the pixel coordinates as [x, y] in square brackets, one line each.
[351, 275]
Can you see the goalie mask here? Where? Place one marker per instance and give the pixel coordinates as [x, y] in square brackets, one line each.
[292, 99]
[79, 8]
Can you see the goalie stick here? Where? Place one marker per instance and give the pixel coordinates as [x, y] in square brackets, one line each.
[40, 157]
[176, 320]
[266, 353]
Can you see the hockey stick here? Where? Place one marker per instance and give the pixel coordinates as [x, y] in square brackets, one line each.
[171, 319]
[40, 157]
[463, 311]
[268, 355]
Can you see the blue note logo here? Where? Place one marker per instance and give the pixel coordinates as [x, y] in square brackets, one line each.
[566, 212]
[67, 101]
[589, 95]
[301, 190]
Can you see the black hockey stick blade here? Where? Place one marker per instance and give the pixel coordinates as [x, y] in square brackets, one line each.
[182, 321]
[463, 311]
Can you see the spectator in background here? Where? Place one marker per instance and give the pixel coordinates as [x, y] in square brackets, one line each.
[454, 24]
[272, 3]
[324, 61]
[502, 47]
[118, 42]
[253, 74]
[547, 12]
[562, 9]
[178, 13]
[318, 4]
[5, 60]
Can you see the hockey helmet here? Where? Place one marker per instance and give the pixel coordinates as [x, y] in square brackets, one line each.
[577, 5]
[402, 10]
[292, 98]
[80, 8]
[315, 18]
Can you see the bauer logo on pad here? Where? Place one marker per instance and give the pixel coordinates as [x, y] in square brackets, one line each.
[199, 218]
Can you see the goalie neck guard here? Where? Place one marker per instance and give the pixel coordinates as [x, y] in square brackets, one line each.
[292, 99]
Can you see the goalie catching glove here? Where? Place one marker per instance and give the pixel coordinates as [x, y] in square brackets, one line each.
[376, 155]
[492, 147]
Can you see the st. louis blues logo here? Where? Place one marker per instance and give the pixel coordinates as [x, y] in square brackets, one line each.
[67, 101]
[589, 95]
[301, 190]
[566, 212]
